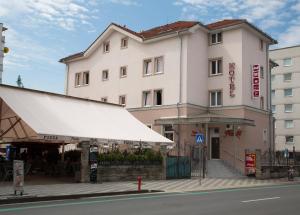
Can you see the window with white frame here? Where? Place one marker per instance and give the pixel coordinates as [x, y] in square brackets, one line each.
[146, 98]
[77, 79]
[147, 67]
[104, 99]
[288, 92]
[215, 66]
[289, 123]
[273, 108]
[106, 47]
[288, 108]
[287, 61]
[289, 139]
[158, 100]
[86, 78]
[216, 38]
[122, 100]
[105, 75]
[215, 98]
[123, 71]
[158, 65]
[124, 42]
[168, 132]
[273, 93]
[273, 77]
[262, 74]
[287, 77]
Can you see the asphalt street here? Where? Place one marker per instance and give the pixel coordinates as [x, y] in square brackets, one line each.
[284, 199]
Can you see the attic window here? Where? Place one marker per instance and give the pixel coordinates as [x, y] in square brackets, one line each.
[124, 42]
[216, 38]
[106, 47]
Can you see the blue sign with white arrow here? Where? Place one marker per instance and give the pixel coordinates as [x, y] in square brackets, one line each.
[199, 138]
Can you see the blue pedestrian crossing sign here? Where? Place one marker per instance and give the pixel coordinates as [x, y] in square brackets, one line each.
[199, 138]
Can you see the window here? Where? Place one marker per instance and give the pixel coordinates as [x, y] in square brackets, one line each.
[104, 75]
[123, 71]
[287, 77]
[216, 38]
[106, 47]
[146, 98]
[262, 102]
[289, 139]
[168, 132]
[216, 67]
[287, 61]
[273, 93]
[158, 65]
[147, 66]
[86, 78]
[273, 108]
[262, 75]
[157, 97]
[122, 100]
[215, 98]
[289, 123]
[288, 108]
[104, 99]
[273, 77]
[288, 92]
[77, 79]
[124, 42]
[261, 45]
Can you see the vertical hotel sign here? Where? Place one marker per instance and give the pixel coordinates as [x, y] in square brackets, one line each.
[255, 81]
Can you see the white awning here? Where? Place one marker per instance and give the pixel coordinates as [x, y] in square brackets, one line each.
[65, 116]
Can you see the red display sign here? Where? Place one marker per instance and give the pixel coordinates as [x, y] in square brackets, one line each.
[256, 81]
[250, 163]
[231, 79]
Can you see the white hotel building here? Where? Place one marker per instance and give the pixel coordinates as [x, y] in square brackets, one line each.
[183, 78]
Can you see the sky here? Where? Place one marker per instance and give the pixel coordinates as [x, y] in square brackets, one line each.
[40, 32]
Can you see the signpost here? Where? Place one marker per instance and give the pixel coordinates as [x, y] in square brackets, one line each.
[200, 140]
[18, 171]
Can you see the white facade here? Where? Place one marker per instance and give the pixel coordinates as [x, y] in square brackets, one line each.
[285, 97]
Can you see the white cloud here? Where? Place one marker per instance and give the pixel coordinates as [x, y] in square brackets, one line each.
[290, 37]
[125, 2]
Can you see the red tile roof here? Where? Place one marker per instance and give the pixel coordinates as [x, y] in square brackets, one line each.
[225, 23]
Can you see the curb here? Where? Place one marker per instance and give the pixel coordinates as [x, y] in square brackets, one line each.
[24, 199]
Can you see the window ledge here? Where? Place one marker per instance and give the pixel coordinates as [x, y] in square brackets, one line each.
[214, 75]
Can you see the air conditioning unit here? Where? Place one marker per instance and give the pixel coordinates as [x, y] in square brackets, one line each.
[229, 127]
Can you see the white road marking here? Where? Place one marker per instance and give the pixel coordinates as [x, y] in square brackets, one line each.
[256, 200]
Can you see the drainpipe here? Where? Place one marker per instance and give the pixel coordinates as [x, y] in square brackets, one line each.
[67, 79]
[180, 94]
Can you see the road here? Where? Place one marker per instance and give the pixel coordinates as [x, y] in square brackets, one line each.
[284, 199]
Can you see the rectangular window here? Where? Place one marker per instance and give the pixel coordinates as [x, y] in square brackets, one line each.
[158, 65]
[168, 132]
[261, 44]
[123, 71]
[287, 77]
[124, 42]
[262, 75]
[106, 47]
[77, 79]
[287, 61]
[216, 67]
[273, 93]
[288, 92]
[289, 123]
[262, 103]
[273, 77]
[147, 67]
[86, 78]
[273, 108]
[215, 98]
[104, 75]
[122, 100]
[146, 98]
[104, 99]
[289, 139]
[288, 108]
[216, 38]
[157, 97]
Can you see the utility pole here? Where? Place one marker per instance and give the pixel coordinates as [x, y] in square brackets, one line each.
[2, 49]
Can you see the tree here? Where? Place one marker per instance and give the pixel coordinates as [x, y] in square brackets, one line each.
[19, 82]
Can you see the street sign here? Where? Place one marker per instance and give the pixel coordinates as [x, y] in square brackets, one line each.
[199, 138]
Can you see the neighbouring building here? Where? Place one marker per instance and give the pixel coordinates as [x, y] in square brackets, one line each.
[285, 97]
[185, 78]
[2, 42]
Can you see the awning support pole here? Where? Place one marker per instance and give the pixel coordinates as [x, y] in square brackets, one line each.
[63, 152]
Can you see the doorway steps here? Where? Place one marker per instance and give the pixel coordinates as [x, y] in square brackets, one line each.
[219, 169]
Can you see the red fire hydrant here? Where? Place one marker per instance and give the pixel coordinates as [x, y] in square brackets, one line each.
[139, 179]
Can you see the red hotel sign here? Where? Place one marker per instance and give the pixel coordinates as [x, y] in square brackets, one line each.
[255, 81]
[231, 79]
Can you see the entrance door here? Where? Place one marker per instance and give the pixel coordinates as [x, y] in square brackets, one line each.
[215, 148]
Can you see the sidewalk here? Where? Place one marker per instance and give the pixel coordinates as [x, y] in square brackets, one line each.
[182, 185]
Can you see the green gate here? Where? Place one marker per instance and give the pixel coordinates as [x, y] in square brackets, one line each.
[178, 167]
